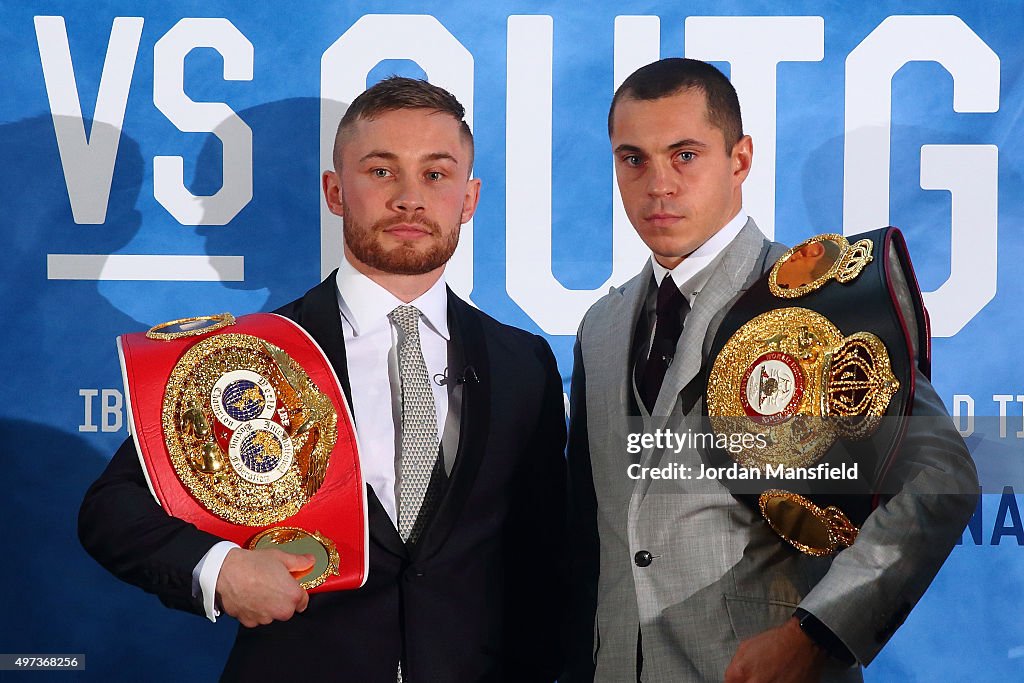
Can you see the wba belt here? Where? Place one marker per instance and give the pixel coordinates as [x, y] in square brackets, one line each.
[243, 430]
[814, 369]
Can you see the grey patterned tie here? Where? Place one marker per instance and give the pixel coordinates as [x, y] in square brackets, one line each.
[419, 428]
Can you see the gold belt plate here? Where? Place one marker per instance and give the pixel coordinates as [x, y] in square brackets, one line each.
[301, 542]
[807, 527]
[279, 428]
[791, 376]
[815, 262]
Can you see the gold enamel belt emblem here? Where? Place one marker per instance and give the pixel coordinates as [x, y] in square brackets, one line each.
[791, 376]
[248, 433]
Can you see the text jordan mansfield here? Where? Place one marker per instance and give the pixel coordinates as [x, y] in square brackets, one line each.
[822, 470]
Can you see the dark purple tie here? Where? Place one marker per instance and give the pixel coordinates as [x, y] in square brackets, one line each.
[671, 311]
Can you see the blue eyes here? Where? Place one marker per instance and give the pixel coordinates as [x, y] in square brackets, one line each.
[635, 160]
[433, 176]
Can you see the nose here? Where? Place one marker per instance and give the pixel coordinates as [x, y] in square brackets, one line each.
[408, 196]
[661, 181]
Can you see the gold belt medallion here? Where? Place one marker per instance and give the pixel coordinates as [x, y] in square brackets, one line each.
[190, 327]
[808, 528]
[249, 434]
[812, 264]
[791, 376]
[301, 542]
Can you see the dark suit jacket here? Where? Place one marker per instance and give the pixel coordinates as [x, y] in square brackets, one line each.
[478, 598]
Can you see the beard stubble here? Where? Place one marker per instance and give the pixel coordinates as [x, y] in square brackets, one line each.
[406, 258]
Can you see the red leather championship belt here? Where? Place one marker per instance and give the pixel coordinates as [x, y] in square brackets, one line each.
[243, 430]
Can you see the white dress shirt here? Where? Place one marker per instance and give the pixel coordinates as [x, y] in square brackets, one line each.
[371, 350]
[371, 347]
[693, 273]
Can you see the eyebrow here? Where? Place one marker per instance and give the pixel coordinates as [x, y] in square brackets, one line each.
[391, 156]
[687, 142]
[441, 156]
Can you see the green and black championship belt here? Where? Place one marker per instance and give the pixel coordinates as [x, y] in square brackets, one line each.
[813, 381]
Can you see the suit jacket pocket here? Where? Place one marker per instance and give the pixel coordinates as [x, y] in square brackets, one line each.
[751, 616]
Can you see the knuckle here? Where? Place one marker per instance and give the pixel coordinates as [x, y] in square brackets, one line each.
[283, 613]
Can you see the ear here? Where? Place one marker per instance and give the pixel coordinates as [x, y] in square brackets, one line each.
[471, 199]
[332, 193]
[742, 157]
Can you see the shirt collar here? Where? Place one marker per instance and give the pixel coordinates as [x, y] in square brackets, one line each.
[693, 273]
[365, 305]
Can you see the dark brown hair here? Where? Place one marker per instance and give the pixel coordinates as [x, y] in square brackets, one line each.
[669, 76]
[397, 92]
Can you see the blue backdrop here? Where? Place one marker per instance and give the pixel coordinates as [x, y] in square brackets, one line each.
[163, 160]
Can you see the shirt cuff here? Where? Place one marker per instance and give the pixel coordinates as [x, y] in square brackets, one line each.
[204, 577]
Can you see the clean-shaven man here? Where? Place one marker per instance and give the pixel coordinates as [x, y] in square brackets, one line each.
[678, 581]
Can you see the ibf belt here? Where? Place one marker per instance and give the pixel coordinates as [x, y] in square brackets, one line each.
[814, 369]
[243, 430]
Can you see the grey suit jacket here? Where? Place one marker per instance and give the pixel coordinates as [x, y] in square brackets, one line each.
[719, 574]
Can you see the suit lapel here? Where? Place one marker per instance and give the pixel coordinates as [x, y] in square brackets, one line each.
[609, 360]
[467, 335]
[321, 317]
[730, 276]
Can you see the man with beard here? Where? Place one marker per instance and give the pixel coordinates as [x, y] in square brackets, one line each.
[464, 584]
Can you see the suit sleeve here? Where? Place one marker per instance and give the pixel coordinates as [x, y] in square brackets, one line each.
[535, 550]
[124, 529]
[872, 585]
[584, 544]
